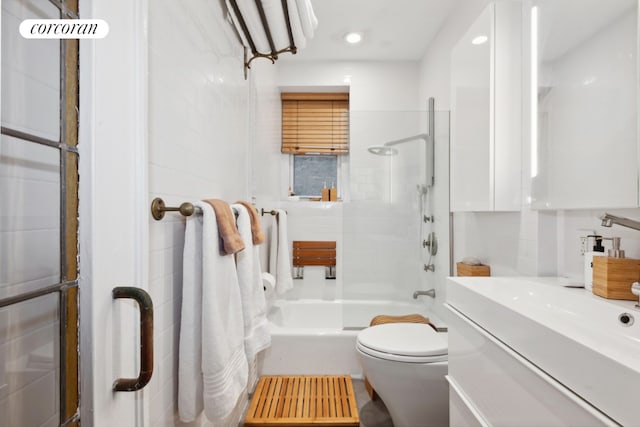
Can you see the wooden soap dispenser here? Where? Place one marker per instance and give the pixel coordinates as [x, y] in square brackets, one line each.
[614, 274]
[333, 193]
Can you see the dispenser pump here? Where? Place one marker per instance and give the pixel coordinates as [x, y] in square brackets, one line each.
[598, 243]
[615, 251]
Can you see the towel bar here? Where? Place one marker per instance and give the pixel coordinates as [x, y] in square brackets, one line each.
[158, 208]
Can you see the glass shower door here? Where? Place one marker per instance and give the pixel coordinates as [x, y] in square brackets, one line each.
[381, 221]
[393, 208]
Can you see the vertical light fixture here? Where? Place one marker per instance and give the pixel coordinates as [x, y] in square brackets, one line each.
[534, 91]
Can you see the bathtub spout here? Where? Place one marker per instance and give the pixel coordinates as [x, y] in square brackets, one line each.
[430, 292]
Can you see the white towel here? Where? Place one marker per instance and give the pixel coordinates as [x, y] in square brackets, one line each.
[251, 17]
[277, 24]
[254, 305]
[307, 18]
[213, 368]
[302, 20]
[296, 26]
[279, 256]
[190, 403]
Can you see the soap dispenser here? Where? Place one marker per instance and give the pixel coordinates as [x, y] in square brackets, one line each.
[325, 193]
[615, 251]
[613, 275]
[333, 193]
[597, 250]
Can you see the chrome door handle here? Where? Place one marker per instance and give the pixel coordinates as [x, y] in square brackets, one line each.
[146, 338]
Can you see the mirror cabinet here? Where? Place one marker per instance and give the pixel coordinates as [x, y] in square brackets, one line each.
[584, 104]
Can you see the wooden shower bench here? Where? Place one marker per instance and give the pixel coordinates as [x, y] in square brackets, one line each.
[314, 253]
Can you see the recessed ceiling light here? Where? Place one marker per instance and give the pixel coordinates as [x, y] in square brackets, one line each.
[353, 38]
[480, 39]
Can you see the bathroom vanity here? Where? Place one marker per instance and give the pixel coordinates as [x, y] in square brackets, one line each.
[531, 351]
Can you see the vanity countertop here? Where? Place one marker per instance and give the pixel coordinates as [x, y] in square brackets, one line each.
[576, 337]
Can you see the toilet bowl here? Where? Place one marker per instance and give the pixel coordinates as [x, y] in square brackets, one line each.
[406, 364]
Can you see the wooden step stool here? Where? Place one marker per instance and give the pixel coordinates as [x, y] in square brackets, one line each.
[303, 400]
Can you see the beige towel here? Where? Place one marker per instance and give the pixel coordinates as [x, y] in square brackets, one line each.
[230, 240]
[407, 318]
[256, 230]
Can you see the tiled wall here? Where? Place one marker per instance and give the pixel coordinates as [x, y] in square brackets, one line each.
[200, 109]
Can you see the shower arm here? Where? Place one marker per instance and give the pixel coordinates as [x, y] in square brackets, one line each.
[410, 138]
[428, 138]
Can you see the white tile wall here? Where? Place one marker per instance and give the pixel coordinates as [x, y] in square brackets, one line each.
[310, 221]
[200, 110]
[573, 224]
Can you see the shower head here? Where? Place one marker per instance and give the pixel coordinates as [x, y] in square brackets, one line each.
[381, 150]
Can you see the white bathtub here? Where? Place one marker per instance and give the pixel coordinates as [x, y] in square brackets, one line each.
[318, 337]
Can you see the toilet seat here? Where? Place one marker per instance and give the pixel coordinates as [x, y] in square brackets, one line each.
[403, 342]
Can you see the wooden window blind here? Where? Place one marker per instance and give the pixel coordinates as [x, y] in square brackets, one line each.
[315, 123]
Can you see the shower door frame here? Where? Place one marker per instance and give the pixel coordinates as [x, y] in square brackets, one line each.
[114, 210]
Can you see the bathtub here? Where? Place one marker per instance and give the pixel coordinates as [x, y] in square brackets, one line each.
[318, 337]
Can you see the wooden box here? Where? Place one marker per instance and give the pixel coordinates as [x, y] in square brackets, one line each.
[472, 270]
[612, 277]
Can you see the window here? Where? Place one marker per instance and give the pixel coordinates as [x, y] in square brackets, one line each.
[311, 173]
[315, 133]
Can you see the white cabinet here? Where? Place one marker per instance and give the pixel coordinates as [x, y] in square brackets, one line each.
[486, 112]
[490, 384]
[530, 351]
[584, 139]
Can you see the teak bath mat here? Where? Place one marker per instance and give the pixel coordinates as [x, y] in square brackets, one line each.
[303, 400]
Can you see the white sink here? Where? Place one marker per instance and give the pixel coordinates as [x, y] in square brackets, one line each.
[574, 336]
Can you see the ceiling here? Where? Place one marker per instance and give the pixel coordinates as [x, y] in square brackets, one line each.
[393, 30]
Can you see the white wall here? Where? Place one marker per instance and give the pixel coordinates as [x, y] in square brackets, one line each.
[200, 131]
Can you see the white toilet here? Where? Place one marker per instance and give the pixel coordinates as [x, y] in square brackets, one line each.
[406, 364]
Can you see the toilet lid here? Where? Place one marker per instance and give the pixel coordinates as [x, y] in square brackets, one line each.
[417, 340]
